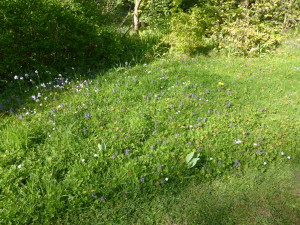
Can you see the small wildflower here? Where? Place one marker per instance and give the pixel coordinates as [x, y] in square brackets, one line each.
[254, 144]
[265, 163]
[289, 157]
[114, 156]
[19, 166]
[102, 198]
[210, 158]
[127, 151]
[282, 153]
[16, 77]
[95, 155]
[236, 163]
[142, 180]
[220, 83]
[238, 141]
[82, 160]
[87, 115]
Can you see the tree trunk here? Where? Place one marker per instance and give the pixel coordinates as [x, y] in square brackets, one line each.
[136, 16]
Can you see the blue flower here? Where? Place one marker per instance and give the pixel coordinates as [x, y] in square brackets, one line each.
[87, 115]
[236, 162]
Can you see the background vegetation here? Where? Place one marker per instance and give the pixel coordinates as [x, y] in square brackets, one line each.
[94, 129]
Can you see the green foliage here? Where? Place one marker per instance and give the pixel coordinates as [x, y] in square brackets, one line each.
[192, 158]
[37, 33]
[187, 30]
[232, 27]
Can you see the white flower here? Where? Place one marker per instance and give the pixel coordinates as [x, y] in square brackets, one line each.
[210, 158]
[95, 155]
[289, 157]
[254, 144]
[83, 160]
[265, 163]
[26, 75]
[238, 141]
[282, 153]
[166, 179]
[16, 77]
[19, 166]
[36, 71]
[21, 78]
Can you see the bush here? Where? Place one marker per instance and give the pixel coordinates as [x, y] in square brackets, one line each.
[43, 33]
[234, 28]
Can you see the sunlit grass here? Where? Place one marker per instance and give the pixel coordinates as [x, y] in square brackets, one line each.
[96, 144]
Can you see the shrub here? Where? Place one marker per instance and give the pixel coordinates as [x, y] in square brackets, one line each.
[234, 28]
[40, 33]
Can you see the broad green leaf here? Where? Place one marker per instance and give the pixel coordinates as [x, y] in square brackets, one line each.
[189, 157]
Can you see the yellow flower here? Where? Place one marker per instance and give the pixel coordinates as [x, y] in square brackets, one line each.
[221, 84]
[194, 150]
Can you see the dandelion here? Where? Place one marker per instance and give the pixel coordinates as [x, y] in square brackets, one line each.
[220, 83]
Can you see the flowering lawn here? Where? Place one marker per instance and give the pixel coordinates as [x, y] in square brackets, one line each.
[102, 148]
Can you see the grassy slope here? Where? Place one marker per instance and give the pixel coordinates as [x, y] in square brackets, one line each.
[130, 112]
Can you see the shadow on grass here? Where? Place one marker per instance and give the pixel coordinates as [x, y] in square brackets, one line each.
[251, 198]
[16, 93]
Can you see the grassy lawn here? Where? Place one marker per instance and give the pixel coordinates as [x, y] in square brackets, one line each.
[111, 148]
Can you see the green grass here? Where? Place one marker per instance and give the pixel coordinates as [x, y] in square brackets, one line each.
[111, 150]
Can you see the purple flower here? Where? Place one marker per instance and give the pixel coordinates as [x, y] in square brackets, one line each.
[114, 156]
[160, 166]
[258, 151]
[208, 111]
[165, 142]
[190, 143]
[205, 119]
[152, 147]
[171, 106]
[127, 151]
[198, 149]
[87, 115]
[177, 135]
[228, 105]
[236, 162]
[230, 124]
[102, 198]
[142, 180]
